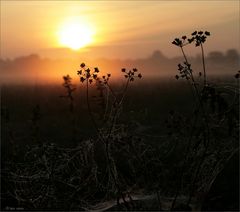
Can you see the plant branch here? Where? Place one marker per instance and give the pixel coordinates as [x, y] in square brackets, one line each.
[204, 66]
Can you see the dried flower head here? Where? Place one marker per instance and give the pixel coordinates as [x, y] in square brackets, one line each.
[198, 36]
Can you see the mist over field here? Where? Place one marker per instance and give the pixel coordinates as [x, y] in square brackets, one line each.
[34, 69]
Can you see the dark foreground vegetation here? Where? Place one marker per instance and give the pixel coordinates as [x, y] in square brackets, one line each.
[138, 144]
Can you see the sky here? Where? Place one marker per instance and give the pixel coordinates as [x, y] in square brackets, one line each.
[114, 29]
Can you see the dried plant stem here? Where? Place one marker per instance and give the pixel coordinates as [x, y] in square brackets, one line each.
[204, 66]
[206, 138]
[91, 114]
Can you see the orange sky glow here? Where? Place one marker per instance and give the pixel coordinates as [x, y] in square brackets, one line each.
[113, 29]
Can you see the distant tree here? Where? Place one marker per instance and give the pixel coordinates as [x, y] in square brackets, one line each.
[232, 56]
[156, 55]
[216, 56]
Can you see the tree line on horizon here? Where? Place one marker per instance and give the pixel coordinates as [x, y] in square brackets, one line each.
[35, 67]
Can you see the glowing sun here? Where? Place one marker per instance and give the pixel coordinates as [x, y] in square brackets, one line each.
[75, 35]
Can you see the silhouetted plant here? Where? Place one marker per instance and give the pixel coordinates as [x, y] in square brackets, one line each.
[198, 37]
[90, 75]
[70, 89]
[210, 113]
[107, 131]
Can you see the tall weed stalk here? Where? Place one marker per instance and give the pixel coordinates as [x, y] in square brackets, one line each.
[106, 131]
[206, 119]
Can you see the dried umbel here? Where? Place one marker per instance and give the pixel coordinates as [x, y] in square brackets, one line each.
[199, 37]
[111, 102]
[89, 74]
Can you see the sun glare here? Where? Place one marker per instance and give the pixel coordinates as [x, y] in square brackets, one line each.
[75, 35]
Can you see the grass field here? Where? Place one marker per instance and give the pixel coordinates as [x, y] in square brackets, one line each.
[45, 147]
